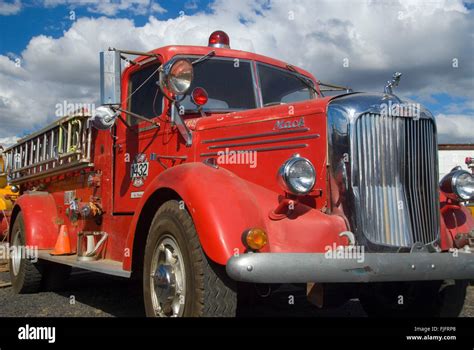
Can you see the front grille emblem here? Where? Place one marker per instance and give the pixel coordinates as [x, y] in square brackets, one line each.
[289, 124]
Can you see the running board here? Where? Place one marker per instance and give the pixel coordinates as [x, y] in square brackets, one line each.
[109, 267]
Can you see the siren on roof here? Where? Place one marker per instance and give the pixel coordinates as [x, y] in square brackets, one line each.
[219, 39]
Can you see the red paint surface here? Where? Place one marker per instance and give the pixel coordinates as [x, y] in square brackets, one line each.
[4, 222]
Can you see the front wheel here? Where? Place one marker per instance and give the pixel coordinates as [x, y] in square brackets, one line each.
[178, 278]
[414, 299]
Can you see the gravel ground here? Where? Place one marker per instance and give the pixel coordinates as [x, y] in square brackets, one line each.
[89, 294]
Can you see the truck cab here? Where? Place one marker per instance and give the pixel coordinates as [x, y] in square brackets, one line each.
[208, 170]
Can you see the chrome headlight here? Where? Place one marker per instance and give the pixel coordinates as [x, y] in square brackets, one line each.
[458, 185]
[297, 175]
[177, 76]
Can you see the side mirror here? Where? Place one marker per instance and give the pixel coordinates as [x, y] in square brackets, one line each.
[110, 77]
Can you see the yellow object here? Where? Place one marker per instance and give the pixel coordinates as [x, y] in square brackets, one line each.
[256, 238]
[5, 204]
[6, 194]
[471, 208]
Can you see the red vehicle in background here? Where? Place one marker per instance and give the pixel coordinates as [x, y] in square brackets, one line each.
[470, 165]
[209, 170]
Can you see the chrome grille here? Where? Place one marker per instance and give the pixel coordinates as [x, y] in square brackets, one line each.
[395, 179]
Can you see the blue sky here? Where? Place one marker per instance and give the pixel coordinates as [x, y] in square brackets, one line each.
[421, 38]
[36, 19]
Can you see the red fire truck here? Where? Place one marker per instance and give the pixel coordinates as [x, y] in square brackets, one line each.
[208, 171]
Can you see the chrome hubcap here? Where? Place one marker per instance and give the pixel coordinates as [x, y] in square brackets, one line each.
[15, 253]
[168, 279]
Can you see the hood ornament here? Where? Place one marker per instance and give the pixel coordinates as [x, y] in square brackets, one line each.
[394, 82]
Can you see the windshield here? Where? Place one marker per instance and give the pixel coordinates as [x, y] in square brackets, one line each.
[228, 83]
[281, 86]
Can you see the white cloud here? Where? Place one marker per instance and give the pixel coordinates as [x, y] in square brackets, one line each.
[376, 37]
[457, 108]
[8, 141]
[10, 8]
[455, 128]
[157, 8]
[112, 7]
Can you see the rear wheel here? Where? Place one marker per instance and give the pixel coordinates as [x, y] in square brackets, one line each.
[414, 299]
[25, 275]
[178, 278]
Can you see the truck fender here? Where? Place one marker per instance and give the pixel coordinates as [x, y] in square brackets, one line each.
[40, 217]
[220, 203]
[457, 223]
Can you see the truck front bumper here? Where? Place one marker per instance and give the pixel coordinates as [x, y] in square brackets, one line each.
[374, 267]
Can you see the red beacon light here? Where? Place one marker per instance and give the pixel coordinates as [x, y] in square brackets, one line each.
[219, 39]
[199, 96]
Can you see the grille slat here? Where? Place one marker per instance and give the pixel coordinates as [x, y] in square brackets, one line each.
[395, 163]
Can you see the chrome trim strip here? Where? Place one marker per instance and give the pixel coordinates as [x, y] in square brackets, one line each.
[262, 142]
[256, 84]
[262, 149]
[171, 157]
[271, 133]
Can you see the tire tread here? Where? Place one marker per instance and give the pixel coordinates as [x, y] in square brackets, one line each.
[216, 292]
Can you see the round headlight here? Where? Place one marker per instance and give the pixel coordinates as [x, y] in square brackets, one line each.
[177, 76]
[297, 175]
[458, 185]
[464, 186]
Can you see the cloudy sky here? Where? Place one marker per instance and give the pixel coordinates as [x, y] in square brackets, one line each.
[49, 49]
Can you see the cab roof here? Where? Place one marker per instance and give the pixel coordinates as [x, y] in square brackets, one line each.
[168, 52]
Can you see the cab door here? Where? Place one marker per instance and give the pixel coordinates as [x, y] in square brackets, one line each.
[137, 142]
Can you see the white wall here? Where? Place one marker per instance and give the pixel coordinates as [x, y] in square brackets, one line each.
[450, 159]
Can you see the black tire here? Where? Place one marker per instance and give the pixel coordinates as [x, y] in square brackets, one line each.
[420, 299]
[25, 278]
[209, 292]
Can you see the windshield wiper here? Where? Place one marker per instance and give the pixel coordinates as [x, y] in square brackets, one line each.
[334, 87]
[320, 83]
[300, 78]
[205, 57]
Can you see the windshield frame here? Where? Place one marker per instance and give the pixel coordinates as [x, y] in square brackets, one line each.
[257, 92]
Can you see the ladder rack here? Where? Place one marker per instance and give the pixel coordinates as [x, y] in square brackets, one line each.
[64, 145]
